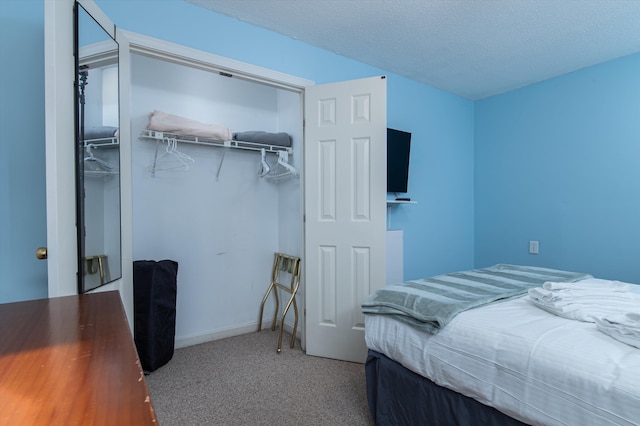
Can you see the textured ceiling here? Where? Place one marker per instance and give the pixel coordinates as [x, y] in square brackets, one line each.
[472, 48]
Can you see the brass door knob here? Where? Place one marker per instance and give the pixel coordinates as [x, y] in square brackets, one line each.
[41, 253]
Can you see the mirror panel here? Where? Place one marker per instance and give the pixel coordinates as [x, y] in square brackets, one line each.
[97, 154]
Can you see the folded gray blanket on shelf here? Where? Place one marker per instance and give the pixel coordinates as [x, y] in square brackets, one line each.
[430, 303]
[266, 138]
[100, 132]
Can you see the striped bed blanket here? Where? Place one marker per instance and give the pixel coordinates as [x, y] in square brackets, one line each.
[430, 303]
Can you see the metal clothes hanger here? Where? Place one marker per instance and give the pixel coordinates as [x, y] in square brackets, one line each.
[96, 164]
[282, 169]
[264, 166]
[171, 159]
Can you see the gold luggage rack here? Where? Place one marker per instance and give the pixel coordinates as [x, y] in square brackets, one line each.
[290, 264]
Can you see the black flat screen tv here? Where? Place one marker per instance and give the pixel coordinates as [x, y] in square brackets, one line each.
[398, 146]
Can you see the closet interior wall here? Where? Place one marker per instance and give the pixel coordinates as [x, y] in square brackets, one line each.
[223, 232]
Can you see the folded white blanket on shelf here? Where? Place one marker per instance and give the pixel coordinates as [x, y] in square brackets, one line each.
[622, 327]
[163, 122]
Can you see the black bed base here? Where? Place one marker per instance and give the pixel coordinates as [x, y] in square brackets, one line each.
[398, 396]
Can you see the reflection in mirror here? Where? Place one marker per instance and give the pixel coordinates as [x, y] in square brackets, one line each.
[97, 154]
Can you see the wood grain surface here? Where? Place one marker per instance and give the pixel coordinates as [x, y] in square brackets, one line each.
[70, 361]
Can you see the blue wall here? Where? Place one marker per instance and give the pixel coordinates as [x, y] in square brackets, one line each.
[559, 162]
[438, 230]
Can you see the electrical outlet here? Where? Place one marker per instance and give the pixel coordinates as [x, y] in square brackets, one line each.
[534, 247]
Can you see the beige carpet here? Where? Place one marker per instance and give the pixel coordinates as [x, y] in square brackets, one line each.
[243, 381]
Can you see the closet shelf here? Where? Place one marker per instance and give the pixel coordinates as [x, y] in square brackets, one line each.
[199, 140]
[111, 142]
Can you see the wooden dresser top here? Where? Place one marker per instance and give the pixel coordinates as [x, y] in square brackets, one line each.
[72, 361]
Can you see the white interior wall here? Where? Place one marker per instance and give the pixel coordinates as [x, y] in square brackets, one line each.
[111, 192]
[94, 215]
[110, 96]
[223, 233]
[289, 197]
[101, 218]
[94, 105]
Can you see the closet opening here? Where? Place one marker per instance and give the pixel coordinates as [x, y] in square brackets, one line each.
[219, 206]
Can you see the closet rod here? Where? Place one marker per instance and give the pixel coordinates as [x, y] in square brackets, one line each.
[199, 140]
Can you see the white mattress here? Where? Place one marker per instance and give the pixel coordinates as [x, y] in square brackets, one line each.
[525, 362]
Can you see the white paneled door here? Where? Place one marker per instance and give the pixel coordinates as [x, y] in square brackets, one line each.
[60, 154]
[345, 211]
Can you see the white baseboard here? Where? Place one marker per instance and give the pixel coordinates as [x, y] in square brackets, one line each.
[183, 342]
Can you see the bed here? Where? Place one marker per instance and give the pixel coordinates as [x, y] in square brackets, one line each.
[503, 361]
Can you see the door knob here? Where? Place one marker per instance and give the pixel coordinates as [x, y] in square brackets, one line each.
[41, 253]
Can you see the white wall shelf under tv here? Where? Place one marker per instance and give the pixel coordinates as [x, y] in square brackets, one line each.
[390, 202]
